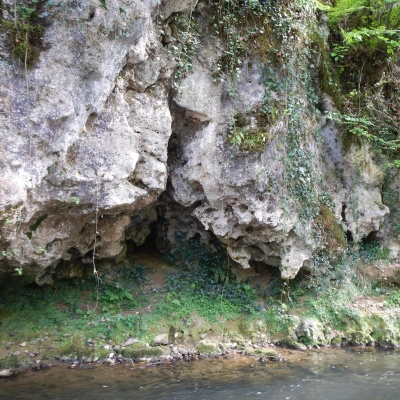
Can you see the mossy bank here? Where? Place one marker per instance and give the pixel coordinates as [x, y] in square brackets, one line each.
[153, 311]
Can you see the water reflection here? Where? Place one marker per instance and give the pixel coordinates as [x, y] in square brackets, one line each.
[329, 374]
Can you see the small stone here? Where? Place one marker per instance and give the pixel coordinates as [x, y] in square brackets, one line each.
[90, 341]
[31, 355]
[16, 353]
[131, 341]
[5, 373]
[8, 345]
[11, 333]
[23, 344]
[161, 340]
[95, 359]
[101, 336]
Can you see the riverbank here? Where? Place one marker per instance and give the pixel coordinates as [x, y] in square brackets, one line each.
[152, 311]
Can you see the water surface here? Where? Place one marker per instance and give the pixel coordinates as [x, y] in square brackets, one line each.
[329, 374]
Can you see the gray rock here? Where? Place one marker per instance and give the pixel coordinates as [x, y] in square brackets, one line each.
[131, 341]
[161, 340]
[113, 101]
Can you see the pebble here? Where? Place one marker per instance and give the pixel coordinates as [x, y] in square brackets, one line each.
[23, 344]
[5, 373]
[131, 341]
[8, 345]
[16, 353]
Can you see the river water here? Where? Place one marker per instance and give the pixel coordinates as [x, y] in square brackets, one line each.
[314, 375]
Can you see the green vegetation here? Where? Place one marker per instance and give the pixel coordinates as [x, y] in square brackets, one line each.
[244, 136]
[365, 41]
[201, 295]
[186, 40]
[24, 24]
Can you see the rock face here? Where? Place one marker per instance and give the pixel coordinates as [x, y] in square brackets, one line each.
[84, 134]
[92, 131]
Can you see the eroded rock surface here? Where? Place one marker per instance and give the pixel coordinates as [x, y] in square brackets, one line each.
[84, 134]
[92, 131]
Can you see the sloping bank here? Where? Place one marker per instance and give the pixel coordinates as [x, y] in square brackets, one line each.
[157, 313]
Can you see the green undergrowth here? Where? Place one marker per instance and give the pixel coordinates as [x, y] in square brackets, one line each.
[364, 48]
[201, 296]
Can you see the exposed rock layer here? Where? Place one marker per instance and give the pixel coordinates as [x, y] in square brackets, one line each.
[84, 150]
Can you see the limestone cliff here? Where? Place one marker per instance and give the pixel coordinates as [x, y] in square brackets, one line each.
[123, 97]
